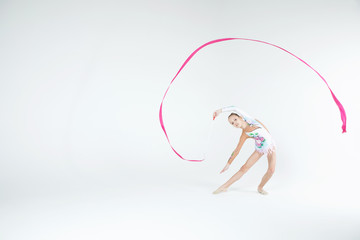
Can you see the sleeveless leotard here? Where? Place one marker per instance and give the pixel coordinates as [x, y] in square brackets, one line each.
[264, 143]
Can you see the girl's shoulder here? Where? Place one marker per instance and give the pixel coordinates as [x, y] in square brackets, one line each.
[244, 135]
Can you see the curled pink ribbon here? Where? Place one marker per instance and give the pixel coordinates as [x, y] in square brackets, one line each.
[341, 108]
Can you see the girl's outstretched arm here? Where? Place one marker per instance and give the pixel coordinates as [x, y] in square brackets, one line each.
[243, 138]
[227, 109]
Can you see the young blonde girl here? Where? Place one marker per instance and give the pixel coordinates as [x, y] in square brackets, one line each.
[264, 144]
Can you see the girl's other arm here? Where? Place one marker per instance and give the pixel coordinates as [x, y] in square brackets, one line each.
[262, 124]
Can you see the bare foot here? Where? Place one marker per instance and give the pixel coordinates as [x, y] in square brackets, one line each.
[262, 191]
[220, 190]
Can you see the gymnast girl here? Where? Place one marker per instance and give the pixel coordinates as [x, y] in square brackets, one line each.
[264, 144]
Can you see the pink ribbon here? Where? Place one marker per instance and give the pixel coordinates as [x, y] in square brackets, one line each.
[341, 108]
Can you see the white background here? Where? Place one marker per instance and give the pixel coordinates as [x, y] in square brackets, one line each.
[82, 153]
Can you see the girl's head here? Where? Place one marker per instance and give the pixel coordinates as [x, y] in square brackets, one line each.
[235, 120]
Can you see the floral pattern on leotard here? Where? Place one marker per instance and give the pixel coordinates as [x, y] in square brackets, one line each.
[259, 141]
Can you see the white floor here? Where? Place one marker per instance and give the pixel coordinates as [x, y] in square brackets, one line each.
[158, 206]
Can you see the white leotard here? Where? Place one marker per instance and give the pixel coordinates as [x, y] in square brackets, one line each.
[264, 143]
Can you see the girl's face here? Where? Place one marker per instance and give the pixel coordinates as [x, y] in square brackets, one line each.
[236, 121]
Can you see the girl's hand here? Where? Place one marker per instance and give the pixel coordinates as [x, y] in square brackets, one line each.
[216, 113]
[225, 168]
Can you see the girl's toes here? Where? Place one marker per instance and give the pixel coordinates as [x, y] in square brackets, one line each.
[219, 190]
[262, 191]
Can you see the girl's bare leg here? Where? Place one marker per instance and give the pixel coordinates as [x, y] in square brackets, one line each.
[269, 172]
[249, 163]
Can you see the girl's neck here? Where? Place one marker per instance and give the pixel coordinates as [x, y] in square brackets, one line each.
[248, 128]
[245, 126]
